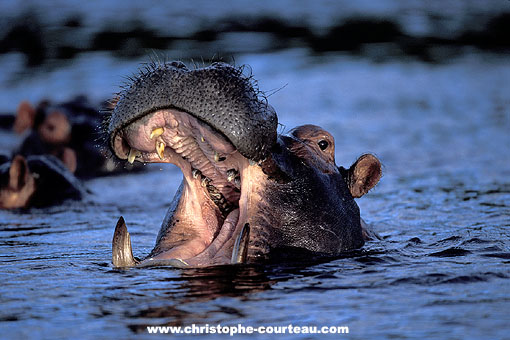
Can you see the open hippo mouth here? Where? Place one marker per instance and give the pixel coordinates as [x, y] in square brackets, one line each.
[211, 124]
[209, 209]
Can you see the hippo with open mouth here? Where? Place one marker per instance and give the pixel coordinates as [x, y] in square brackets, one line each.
[248, 194]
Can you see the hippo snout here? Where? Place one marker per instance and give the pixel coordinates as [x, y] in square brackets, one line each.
[219, 95]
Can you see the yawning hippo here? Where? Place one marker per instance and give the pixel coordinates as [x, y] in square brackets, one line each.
[247, 193]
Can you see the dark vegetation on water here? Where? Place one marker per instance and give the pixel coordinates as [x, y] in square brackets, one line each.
[132, 38]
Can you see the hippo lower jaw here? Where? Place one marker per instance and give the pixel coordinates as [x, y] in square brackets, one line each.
[247, 195]
[207, 225]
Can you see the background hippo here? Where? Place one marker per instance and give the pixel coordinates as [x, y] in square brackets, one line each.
[36, 181]
[247, 193]
[69, 131]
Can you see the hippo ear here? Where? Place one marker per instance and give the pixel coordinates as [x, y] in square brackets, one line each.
[363, 175]
[18, 173]
[68, 157]
[25, 116]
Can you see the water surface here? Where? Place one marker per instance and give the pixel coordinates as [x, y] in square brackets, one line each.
[442, 209]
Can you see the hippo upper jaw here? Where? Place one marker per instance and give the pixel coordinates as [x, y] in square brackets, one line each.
[205, 224]
[219, 95]
[211, 122]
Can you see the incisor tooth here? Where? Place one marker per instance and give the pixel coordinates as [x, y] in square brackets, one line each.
[157, 132]
[133, 153]
[160, 149]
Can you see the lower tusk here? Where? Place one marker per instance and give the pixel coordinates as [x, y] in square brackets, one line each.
[240, 250]
[122, 253]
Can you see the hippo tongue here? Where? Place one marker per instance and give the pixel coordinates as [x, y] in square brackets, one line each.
[218, 252]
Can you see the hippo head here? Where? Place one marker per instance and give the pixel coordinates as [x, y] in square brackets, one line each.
[247, 194]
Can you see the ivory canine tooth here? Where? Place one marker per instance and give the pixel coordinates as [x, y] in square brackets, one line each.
[216, 157]
[157, 132]
[133, 153]
[160, 149]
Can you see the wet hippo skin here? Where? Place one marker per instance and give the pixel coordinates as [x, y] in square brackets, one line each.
[36, 181]
[248, 194]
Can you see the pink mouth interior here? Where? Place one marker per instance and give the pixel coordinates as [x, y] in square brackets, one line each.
[207, 220]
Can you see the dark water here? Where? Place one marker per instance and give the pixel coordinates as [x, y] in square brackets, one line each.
[442, 208]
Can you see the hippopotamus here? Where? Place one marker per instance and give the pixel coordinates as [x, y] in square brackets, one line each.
[247, 194]
[68, 131]
[36, 181]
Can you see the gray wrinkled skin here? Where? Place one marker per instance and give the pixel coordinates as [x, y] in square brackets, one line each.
[214, 94]
[309, 210]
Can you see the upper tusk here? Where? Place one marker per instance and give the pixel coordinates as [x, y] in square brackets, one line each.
[160, 149]
[157, 132]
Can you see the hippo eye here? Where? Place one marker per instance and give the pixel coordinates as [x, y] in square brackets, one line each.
[323, 144]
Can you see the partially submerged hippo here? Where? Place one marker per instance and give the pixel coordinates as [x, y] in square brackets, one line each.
[36, 181]
[68, 131]
[247, 193]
